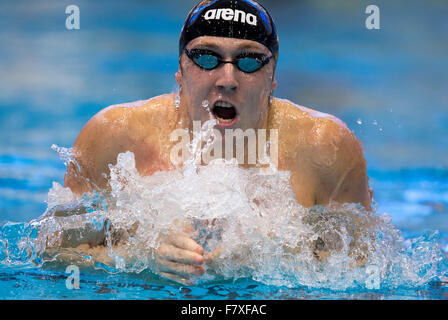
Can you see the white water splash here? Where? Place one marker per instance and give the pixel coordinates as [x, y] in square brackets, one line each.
[256, 221]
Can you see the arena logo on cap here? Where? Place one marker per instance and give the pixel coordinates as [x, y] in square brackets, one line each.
[230, 14]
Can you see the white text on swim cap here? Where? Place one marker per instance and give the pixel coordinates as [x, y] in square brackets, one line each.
[230, 14]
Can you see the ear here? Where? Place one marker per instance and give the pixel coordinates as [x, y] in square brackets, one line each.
[178, 76]
[274, 85]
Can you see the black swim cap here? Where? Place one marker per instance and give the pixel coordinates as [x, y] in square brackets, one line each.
[241, 19]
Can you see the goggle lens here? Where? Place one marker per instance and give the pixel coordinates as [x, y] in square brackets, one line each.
[249, 64]
[209, 61]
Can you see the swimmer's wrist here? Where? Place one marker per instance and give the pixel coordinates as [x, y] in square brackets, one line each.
[81, 206]
[66, 210]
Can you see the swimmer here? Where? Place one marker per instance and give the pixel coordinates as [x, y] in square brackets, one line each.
[228, 53]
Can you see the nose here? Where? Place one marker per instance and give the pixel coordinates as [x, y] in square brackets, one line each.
[226, 78]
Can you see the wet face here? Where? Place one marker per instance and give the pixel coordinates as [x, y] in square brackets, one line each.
[235, 98]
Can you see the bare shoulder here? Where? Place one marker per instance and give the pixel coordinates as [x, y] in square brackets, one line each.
[322, 153]
[115, 129]
[128, 119]
[119, 114]
[323, 136]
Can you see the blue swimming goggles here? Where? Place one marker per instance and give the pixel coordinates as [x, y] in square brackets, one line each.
[209, 60]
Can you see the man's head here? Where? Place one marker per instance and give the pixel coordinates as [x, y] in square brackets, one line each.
[214, 34]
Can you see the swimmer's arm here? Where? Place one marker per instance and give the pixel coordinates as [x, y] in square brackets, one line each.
[342, 168]
[97, 146]
[354, 187]
[69, 246]
[178, 257]
[352, 181]
[81, 256]
[68, 209]
[87, 235]
[85, 246]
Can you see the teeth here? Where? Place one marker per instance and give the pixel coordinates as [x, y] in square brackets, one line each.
[224, 104]
[224, 120]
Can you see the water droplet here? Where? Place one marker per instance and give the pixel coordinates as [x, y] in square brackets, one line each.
[359, 121]
[177, 101]
[375, 123]
[205, 104]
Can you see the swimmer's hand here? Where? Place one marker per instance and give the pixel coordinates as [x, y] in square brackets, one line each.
[179, 257]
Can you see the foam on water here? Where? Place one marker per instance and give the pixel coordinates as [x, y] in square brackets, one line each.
[253, 217]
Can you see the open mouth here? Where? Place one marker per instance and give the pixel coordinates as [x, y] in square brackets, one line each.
[225, 113]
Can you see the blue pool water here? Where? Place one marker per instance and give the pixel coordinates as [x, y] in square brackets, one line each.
[389, 86]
